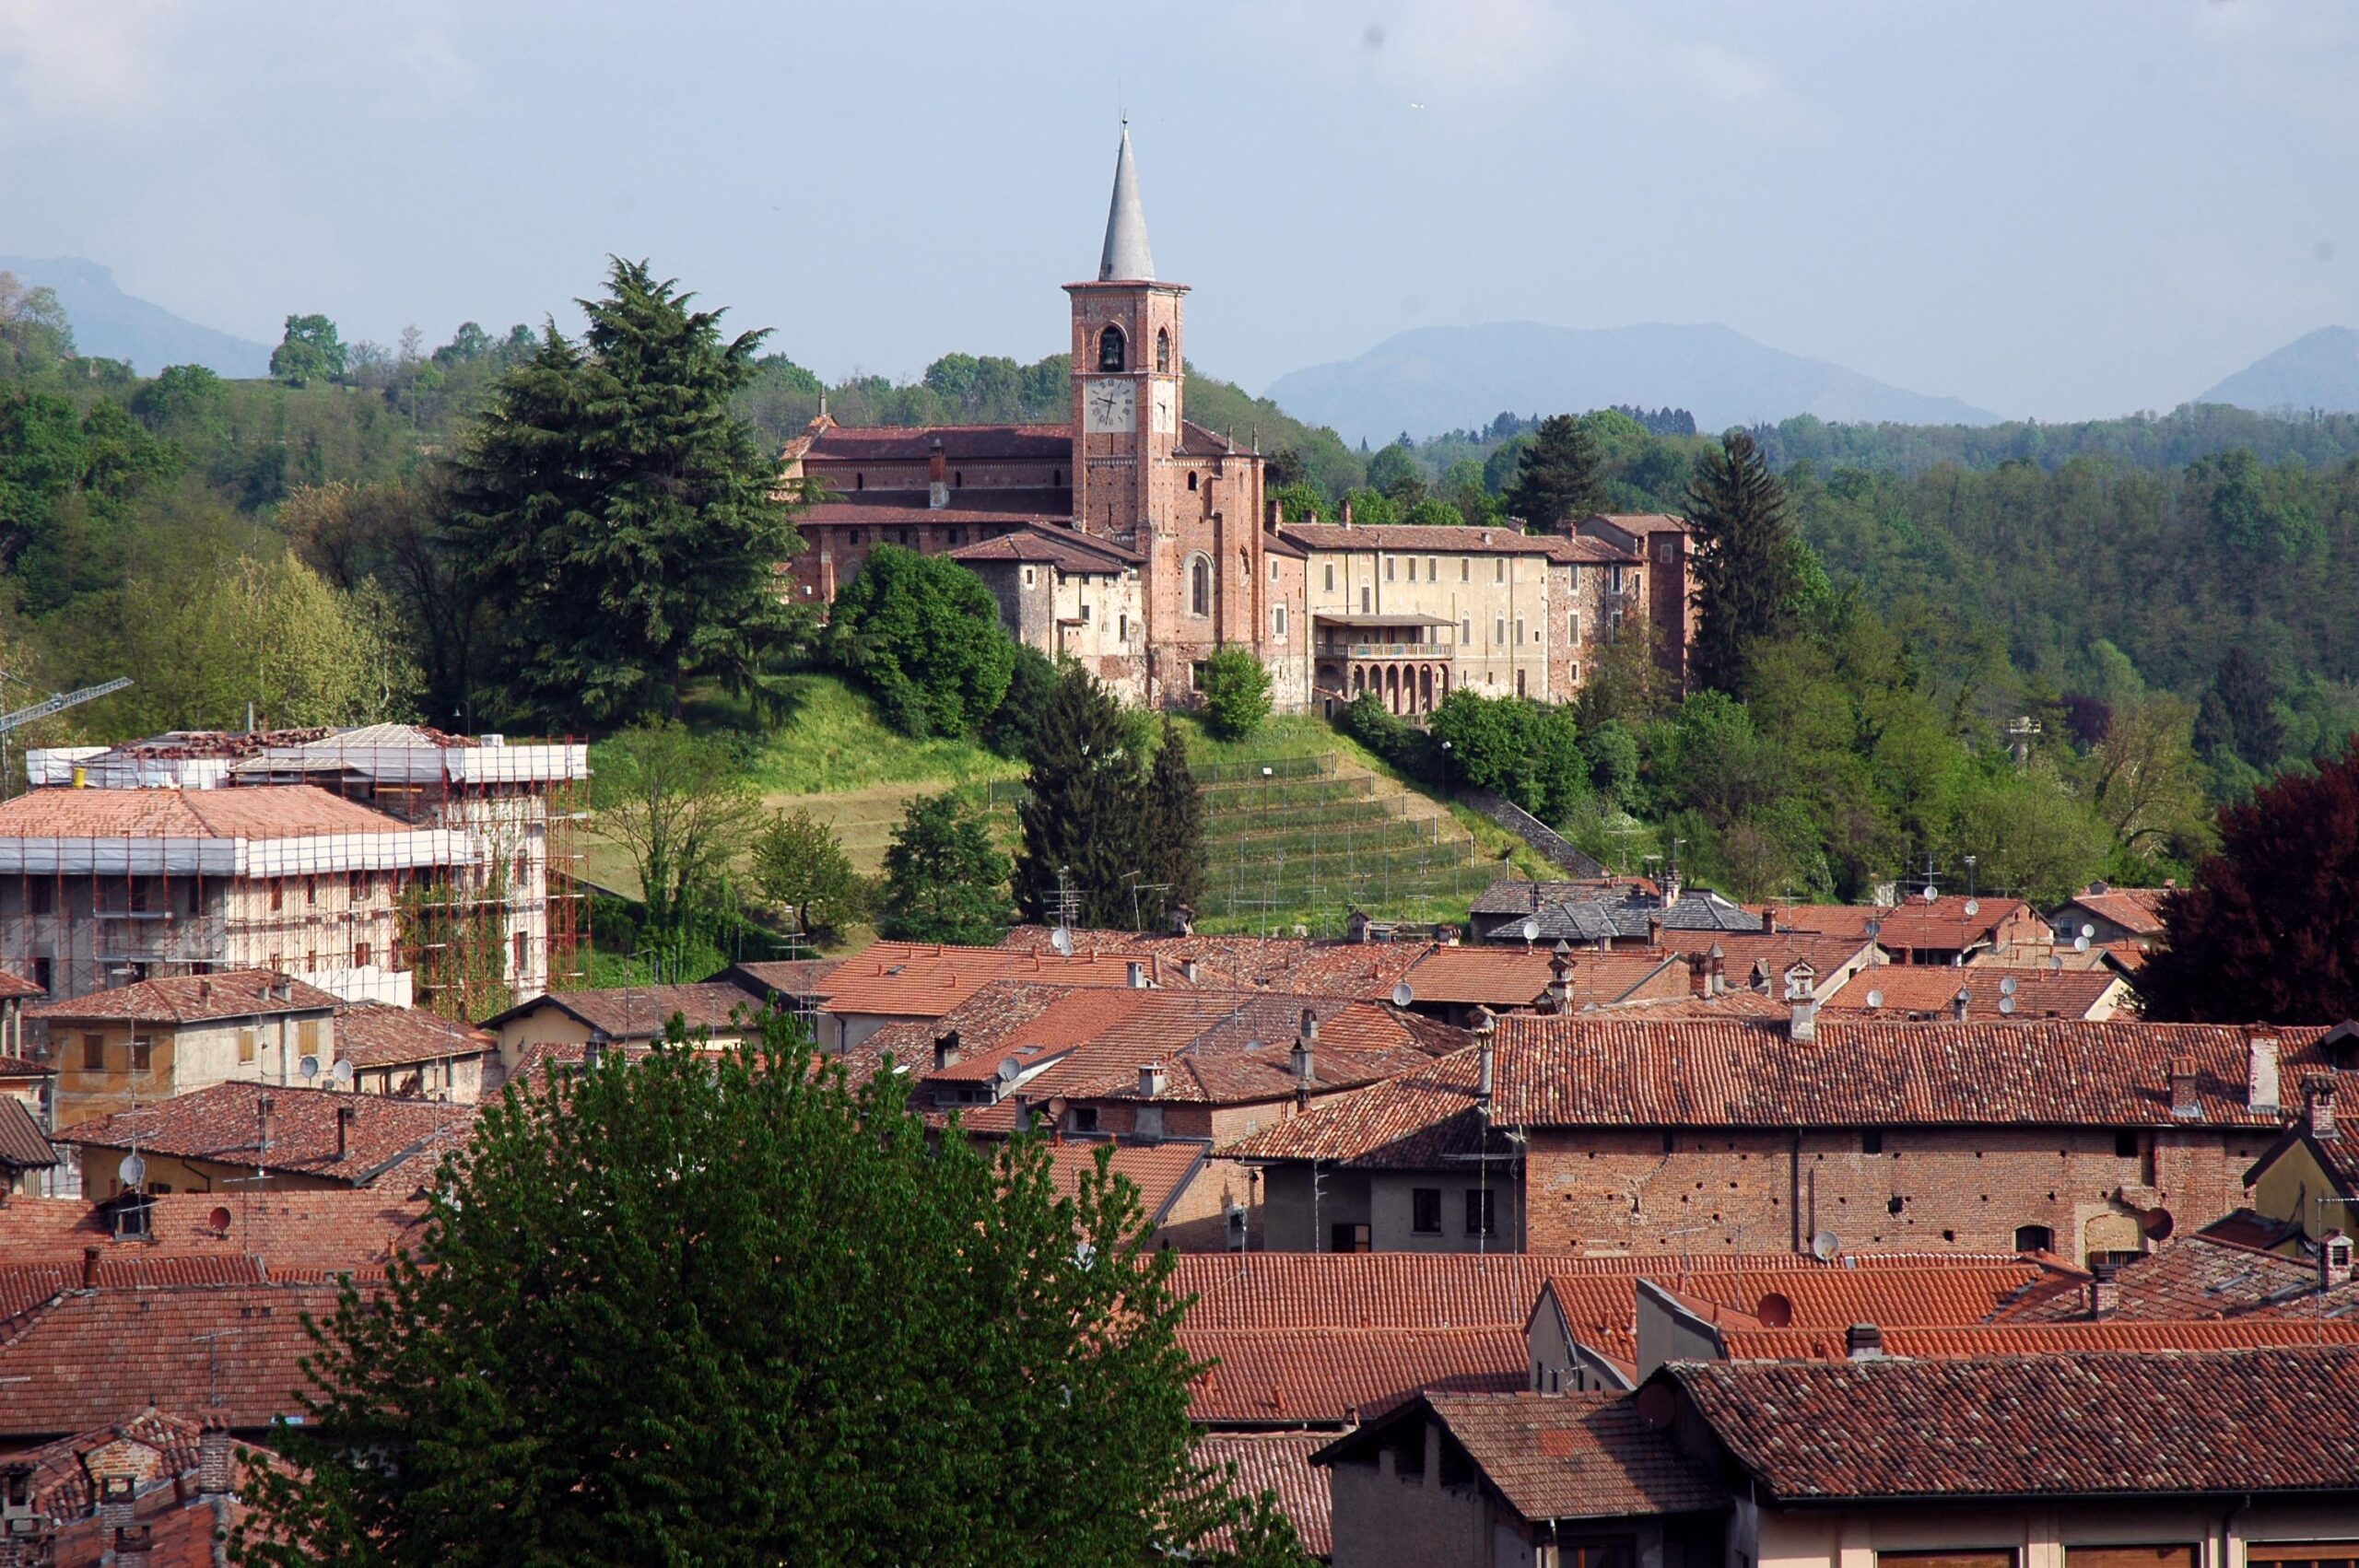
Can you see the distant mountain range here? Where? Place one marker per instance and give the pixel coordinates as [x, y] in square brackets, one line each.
[111, 324]
[1437, 378]
[2320, 370]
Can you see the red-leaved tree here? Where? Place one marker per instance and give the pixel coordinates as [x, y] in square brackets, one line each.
[2269, 931]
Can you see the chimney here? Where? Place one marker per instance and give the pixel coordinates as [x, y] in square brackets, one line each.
[2262, 1095]
[343, 1119]
[2317, 1096]
[1863, 1341]
[1190, 968]
[90, 1267]
[1138, 976]
[2184, 1104]
[1699, 974]
[1768, 920]
[1302, 1063]
[2334, 1260]
[1961, 1005]
[946, 1052]
[1801, 1025]
[1560, 978]
[1153, 1080]
[1719, 970]
[1671, 886]
[204, 990]
[1486, 1067]
[937, 477]
[1654, 930]
[263, 1105]
[1183, 920]
[1309, 1030]
[2105, 1292]
[594, 1052]
[216, 1464]
[1347, 511]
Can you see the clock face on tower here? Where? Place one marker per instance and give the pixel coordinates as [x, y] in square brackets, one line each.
[1166, 408]
[1108, 407]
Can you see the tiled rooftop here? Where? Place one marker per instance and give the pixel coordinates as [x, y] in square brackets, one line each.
[1971, 1340]
[960, 443]
[283, 811]
[1419, 1120]
[1573, 1455]
[193, 998]
[1505, 977]
[1900, 989]
[376, 1035]
[23, 1145]
[1279, 1463]
[1361, 1290]
[1294, 1376]
[2195, 1278]
[2235, 1422]
[2138, 910]
[388, 1139]
[644, 1012]
[902, 979]
[1306, 967]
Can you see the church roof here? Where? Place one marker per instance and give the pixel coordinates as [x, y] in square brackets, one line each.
[1126, 258]
[1064, 548]
[960, 443]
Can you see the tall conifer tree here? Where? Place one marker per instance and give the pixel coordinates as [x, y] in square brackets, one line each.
[1087, 813]
[1175, 827]
[1558, 476]
[1748, 578]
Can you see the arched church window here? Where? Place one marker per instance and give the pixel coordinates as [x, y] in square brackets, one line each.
[1163, 348]
[1199, 585]
[1110, 347]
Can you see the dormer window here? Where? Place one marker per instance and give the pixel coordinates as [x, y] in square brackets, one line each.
[1163, 348]
[1112, 350]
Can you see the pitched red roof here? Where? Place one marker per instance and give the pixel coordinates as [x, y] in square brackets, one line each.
[2196, 1278]
[1303, 1377]
[1307, 966]
[1985, 1339]
[1278, 1463]
[1910, 1291]
[293, 1234]
[375, 1034]
[644, 1012]
[16, 986]
[1160, 1170]
[2138, 910]
[1641, 523]
[1502, 978]
[1932, 989]
[1361, 1290]
[193, 998]
[23, 1145]
[2098, 1424]
[1067, 549]
[909, 980]
[388, 1139]
[960, 443]
[1442, 540]
[1419, 1120]
[275, 811]
[151, 1447]
[1567, 1456]
[1583, 1071]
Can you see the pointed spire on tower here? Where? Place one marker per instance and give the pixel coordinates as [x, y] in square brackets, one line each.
[1126, 258]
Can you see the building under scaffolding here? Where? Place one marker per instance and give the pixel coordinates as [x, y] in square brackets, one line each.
[391, 863]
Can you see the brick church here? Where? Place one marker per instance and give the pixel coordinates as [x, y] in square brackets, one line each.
[1138, 542]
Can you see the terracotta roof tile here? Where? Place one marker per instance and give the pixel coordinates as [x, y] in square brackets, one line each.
[1930, 989]
[1309, 967]
[1067, 549]
[23, 1145]
[151, 1447]
[388, 1139]
[1361, 1290]
[281, 811]
[1161, 1172]
[302, 1231]
[375, 1034]
[960, 443]
[1575, 1455]
[2138, 910]
[1416, 1121]
[2196, 1278]
[21, 1067]
[1441, 540]
[16, 986]
[1971, 1340]
[1501, 977]
[193, 998]
[1915, 1294]
[1584, 1071]
[1642, 522]
[1294, 1376]
[644, 1012]
[899, 979]
[2235, 1422]
[1278, 1463]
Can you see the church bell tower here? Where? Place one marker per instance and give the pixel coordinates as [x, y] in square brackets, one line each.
[1126, 378]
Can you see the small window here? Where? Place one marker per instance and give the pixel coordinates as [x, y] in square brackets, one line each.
[1122, 627]
[1084, 1118]
[2125, 1145]
[1465, 568]
[1162, 348]
[958, 482]
[519, 951]
[1871, 1140]
[1057, 478]
[1575, 625]
[1200, 586]
[1112, 350]
[851, 536]
[1327, 577]
[1388, 568]
[245, 1045]
[1085, 615]
[360, 956]
[1192, 479]
[1278, 620]
[1345, 1237]
[1482, 1213]
[1466, 631]
[858, 481]
[1519, 631]
[1499, 631]
[94, 1053]
[2035, 1238]
[311, 890]
[1363, 593]
[1499, 569]
[1519, 683]
[1028, 572]
[1274, 569]
[1433, 569]
[277, 893]
[143, 1053]
[1425, 1211]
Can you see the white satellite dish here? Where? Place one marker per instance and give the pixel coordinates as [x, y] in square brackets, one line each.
[2079, 944]
[1530, 931]
[1010, 1070]
[309, 1067]
[1930, 896]
[1401, 995]
[2006, 1004]
[2056, 961]
[1973, 905]
[2007, 985]
[1875, 998]
[133, 1171]
[341, 1072]
[1824, 1245]
[1875, 929]
[2088, 931]
[1062, 940]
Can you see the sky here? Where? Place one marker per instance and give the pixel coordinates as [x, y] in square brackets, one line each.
[2054, 209]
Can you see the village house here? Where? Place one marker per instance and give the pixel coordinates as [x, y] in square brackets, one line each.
[1982, 991]
[1946, 929]
[142, 1042]
[2306, 1180]
[152, 1489]
[2105, 915]
[243, 1136]
[1601, 913]
[903, 982]
[414, 1054]
[723, 1014]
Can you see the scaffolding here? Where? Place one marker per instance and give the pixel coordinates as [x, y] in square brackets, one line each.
[392, 863]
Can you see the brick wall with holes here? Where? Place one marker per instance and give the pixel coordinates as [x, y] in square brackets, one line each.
[2089, 1190]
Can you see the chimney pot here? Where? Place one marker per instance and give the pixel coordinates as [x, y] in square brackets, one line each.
[2334, 1260]
[1768, 920]
[1803, 1021]
[345, 1116]
[1152, 1081]
[1962, 1004]
[2318, 1094]
[1138, 976]
[2105, 1292]
[1863, 1341]
[1310, 1025]
[90, 1267]
[946, 1052]
[2262, 1088]
[215, 1467]
[2184, 1104]
[1485, 1067]
[1302, 1062]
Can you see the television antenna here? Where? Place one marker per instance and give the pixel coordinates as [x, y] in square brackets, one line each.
[1973, 904]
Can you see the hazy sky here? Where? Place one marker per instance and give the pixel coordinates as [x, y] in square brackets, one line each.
[2047, 208]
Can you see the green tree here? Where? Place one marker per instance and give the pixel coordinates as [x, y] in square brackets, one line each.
[312, 351]
[1746, 565]
[1303, 502]
[2144, 782]
[1031, 685]
[1396, 472]
[1175, 831]
[1557, 478]
[1235, 688]
[2247, 720]
[800, 865]
[626, 525]
[944, 880]
[678, 805]
[1084, 820]
[721, 1308]
[2032, 840]
[36, 338]
[923, 633]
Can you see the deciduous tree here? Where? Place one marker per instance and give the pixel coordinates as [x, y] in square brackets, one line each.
[676, 805]
[1235, 687]
[800, 865]
[944, 880]
[923, 633]
[311, 351]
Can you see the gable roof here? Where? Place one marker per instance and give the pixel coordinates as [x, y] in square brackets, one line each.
[377, 1035]
[290, 1234]
[1422, 1120]
[271, 811]
[1360, 1290]
[1932, 989]
[960, 443]
[2092, 1424]
[193, 998]
[1278, 1463]
[1970, 1341]
[2198, 1277]
[911, 979]
[23, 1145]
[1160, 1170]
[1503, 976]
[644, 1012]
[1293, 1377]
[2138, 910]
[1431, 539]
[1067, 549]
[1305, 965]
[1587, 1071]
[388, 1139]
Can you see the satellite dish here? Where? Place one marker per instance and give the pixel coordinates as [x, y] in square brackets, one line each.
[309, 1067]
[134, 1170]
[341, 1072]
[2007, 986]
[1062, 940]
[1930, 896]
[2088, 931]
[1401, 995]
[1010, 1070]
[1875, 929]
[1824, 1245]
[1085, 1254]
[1973, 905]
[2006, 1004]
[1875, 998]
[1530, 931]
[2056, 961]
[2079, 944]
